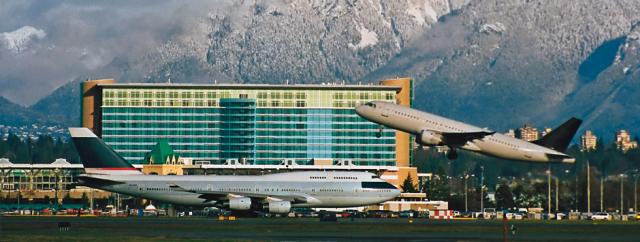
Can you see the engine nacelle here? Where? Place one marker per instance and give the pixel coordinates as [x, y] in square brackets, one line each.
[279, 207]
[241, 203]
[429, 138]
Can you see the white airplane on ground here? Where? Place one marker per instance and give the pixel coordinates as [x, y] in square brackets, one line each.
[433, 130]
[274, 193]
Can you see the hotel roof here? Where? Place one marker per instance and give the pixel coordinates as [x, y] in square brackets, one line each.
[328, 86]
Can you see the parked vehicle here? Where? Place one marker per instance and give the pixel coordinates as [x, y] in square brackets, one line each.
[519, 216]
[510, 216]
[378, 214]
[406, 214]
[328, 216]
[489, 213]
[601, 216]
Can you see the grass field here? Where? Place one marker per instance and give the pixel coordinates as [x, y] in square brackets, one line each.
[305, 229]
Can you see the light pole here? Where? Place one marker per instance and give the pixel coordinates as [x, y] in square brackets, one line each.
[588, 188]
[549, 189]
[575, 198]
[466, 208]
[621, 194]
[557, 194]
[602, 178]
[482, 190]
[635, 191]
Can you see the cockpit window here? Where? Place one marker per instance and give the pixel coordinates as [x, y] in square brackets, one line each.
[378, 185]
[370, 104]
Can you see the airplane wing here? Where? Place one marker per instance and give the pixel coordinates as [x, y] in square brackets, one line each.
[222, 196]
[459, 139]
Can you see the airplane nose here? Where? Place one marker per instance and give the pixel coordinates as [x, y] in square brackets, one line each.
[360, 109]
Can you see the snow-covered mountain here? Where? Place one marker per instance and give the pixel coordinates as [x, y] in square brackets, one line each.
[19, 40]
[495, 63]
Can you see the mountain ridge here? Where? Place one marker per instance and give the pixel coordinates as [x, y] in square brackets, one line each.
[491, 63]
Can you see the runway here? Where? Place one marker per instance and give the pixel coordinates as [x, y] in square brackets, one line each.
[305, 229]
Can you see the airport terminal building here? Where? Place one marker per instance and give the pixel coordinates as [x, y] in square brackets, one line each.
[259, 124]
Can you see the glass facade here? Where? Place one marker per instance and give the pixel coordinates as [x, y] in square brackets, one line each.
[263, 125]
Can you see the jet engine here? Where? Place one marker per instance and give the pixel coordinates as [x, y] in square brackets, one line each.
[279, 207]
[429, 138]
[241, 203]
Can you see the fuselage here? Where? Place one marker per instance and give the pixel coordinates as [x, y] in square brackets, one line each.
[415, 121]
[302, 189]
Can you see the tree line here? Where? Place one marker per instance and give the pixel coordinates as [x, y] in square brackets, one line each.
[43, 149]
[522, 185]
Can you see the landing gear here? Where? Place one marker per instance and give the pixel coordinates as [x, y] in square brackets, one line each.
[452, 154]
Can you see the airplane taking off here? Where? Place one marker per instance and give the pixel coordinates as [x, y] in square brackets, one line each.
[274, 193]
[433, 130]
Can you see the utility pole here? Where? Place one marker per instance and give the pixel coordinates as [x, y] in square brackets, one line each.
[588, 188]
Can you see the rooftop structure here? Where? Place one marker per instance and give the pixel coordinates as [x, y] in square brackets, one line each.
[624, 142]
[588, 141]
[527, 133]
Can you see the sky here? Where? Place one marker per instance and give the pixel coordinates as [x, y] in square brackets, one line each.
[45, 44]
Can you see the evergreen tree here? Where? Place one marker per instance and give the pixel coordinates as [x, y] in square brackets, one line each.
[67, 199]
[407, 185]
[439, 188]
[84, 200]
[43, 150]
[23, 153]
[70, 153]
[58, 148]
[4, 148]
[504, 197]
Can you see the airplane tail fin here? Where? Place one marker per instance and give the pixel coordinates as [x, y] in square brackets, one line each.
[559, 138]
[97, 157]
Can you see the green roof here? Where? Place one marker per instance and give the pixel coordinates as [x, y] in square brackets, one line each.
[160, 153]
